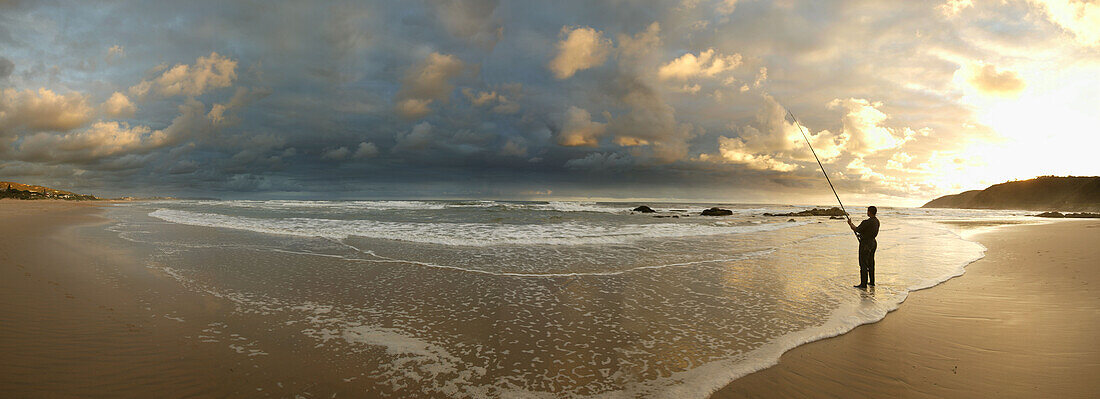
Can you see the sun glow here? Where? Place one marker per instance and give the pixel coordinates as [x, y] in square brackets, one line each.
[1052, 127]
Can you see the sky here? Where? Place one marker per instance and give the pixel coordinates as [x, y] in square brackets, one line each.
[578, 100]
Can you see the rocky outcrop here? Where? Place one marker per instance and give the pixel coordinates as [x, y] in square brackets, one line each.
[1083, 215]
[643, 209]
[1047, 193]
[1086, 215]
[834, 211]
[716, 211]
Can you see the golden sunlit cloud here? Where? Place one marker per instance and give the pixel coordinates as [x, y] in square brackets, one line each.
[987, 79]
[580, 48]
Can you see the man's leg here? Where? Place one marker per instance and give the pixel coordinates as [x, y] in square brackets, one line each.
[871, 264]
[862, 266]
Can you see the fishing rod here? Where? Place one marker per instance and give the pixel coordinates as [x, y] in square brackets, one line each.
[807, 138]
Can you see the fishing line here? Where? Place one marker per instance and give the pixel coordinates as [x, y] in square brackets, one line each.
[807, 138]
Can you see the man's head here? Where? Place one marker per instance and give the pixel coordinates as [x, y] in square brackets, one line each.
[872, 211]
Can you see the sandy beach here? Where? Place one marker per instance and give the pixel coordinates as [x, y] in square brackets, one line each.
[76, 315]
[1021, 323]
[84, 316]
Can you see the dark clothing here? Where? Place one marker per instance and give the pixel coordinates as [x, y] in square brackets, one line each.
[867, 262]
[867, 231]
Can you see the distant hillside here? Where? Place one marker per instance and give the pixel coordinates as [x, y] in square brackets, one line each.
[28, 191]
[1047, 193]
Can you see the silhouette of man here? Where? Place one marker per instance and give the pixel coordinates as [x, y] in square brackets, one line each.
[866, 232]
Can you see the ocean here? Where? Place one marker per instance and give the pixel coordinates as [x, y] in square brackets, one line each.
[532, 299]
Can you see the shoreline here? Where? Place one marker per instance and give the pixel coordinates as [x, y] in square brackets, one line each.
[984, 333]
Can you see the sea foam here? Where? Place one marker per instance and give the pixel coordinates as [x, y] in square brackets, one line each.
[467, 234]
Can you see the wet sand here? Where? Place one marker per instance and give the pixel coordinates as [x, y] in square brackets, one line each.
[1022, 322]
[83, 317]
[70, 324]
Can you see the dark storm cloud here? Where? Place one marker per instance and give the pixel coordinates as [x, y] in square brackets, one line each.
[483, 97]
[6, 67]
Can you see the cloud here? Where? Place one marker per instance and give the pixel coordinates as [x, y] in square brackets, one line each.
[420, 137]
[774, 133]
[515, 147]
[601, 161]
[336, 154]
[260, 149]
[734, 150]
[649, 122]
[580, 48]
[1082, 18]
[115, 139]
[118, 105]
[42, 110]
[427, 82]
[6, 68]
[366, 150]
[217, 113]
[221, 113]
[413, 108]
[480, 98]
[500, 103]
[706, 64]
[863, 123]
[859, 167]
[115, 52]
[760, 77]
[988, 80]
[210, 72]
[898, 161]
[100, 140]
[641, 43]
[140, 90]
[774, 142]
[688, 4]
[726, 7]
[578, 129]
[692, 89]
[472, 20]
[951, 8]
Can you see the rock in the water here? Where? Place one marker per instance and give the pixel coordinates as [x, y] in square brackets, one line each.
[834, 211]
[1083, 215]
[790, 220]
[836, 218]
[1068, 215]
[716, 212]
[644, 209]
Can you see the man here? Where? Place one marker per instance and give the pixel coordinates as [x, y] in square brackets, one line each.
[866, 232]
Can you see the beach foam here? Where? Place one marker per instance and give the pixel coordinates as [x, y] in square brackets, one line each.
[468, 234]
